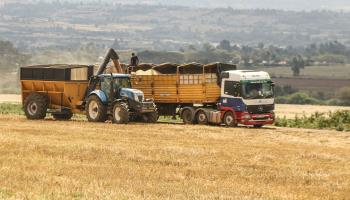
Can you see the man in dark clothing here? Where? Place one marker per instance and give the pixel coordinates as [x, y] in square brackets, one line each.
[134, 61]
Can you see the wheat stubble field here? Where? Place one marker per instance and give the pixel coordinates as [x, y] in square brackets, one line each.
[80, 160]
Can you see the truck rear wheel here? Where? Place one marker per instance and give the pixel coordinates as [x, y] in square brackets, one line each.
[202, 117]
[95, 110]
[120, 114]
[187, 115]
[62, 116]
[150, 117]
[35, 106]
[230, 119]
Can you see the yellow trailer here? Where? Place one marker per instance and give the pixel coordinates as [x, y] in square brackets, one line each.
[190, 83]
[59, 88]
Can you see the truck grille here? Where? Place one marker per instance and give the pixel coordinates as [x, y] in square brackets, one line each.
[257, 109]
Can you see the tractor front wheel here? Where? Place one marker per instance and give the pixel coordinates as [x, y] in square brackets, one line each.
[120, 114]
[95, 110]
[35, 106]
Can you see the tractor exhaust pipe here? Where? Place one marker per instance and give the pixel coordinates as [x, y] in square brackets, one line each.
[111, 55]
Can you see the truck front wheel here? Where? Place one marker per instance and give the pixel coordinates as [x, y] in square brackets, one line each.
[95, 110]
[35, 106]
[230, 119]
[120, 114]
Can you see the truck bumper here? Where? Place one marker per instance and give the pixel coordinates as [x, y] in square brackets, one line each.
[257, 119]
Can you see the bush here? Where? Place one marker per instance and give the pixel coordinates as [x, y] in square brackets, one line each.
[344, 95]
[11, 108]
[297, 98]
[339, 120]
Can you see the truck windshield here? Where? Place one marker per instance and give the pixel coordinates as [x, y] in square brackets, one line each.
[257, 89]
[121, 83]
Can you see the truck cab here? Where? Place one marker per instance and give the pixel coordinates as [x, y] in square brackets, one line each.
[249, 95]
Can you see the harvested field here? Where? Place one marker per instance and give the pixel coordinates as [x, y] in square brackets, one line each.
[323, 85]
[12, 98]
[43, 160]
[290, 111]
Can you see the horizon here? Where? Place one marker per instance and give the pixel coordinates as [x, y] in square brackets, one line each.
[287, 5]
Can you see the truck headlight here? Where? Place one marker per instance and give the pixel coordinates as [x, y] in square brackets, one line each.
[246, 116]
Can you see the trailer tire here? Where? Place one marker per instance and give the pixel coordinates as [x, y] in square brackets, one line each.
[230, 119]
[95, 110]
[120, 113]
[188, 115]
[35, 106]
[62, 116]
[202, 117]
[151, 117]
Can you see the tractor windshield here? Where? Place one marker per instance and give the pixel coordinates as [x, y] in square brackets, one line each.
[121, 83]
[257, 89]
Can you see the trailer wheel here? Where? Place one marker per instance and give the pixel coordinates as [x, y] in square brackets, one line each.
[187, 115]
[150, 117]
[62, 116]
[202, 117]
[35, 106]
[120, 114]
[95, 110]
[230, 119]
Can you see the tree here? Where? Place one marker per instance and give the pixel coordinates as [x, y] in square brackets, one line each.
[297, 63]
[225, 45]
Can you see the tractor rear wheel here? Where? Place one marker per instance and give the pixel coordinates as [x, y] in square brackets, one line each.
[230, 119]
[151, 117]
[187, 115]
[62, 116]
[35, 106]
[95, 110]
[120, 113]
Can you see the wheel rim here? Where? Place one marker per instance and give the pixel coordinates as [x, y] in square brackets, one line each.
[229, 119]
[202, 117]
[117, 114]
[32, 108]
[93, 109]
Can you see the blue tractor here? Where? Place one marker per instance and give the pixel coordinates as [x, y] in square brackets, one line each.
[111, 96]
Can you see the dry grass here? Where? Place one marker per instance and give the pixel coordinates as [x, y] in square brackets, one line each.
[80, 160]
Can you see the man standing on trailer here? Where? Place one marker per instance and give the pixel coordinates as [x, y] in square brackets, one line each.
[134, 61]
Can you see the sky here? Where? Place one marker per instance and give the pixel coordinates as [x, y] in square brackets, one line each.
[296, 5]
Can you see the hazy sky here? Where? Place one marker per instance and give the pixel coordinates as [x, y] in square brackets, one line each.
[239, 4]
